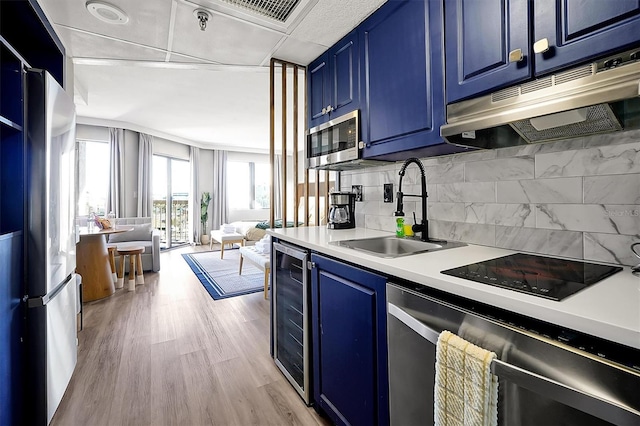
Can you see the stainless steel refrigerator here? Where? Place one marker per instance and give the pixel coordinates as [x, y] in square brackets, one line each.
[50, 244]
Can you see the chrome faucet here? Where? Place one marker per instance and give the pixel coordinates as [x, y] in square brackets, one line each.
[423, 227]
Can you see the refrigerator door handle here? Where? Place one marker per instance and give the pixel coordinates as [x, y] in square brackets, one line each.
[36, 302]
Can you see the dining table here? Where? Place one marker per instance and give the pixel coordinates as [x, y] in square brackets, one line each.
[92, 262]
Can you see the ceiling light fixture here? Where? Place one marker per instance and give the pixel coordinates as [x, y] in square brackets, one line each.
[203, 16]
[107, 12]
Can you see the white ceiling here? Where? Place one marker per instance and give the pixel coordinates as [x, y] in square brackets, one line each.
[160, 74]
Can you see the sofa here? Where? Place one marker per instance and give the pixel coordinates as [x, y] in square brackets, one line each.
[253, 231]
[143, 235]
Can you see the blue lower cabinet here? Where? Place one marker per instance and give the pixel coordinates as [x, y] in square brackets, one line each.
[349, 343]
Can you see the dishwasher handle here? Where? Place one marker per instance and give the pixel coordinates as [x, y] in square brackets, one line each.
[591, 404]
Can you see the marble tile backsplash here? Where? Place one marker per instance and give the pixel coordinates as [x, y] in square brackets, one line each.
[577, 198]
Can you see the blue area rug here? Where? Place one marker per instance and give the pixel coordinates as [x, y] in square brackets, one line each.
[220, 276]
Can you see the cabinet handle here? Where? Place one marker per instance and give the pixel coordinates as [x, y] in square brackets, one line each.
[541, 45]
[516, 55]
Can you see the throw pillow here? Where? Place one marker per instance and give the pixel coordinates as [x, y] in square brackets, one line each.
[138, 233]
[254, 234]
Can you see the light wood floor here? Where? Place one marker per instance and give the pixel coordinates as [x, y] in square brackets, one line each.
[169, 354]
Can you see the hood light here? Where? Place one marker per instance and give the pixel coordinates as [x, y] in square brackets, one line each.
[560, 119]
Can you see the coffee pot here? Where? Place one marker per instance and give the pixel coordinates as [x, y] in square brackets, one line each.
[342, 210]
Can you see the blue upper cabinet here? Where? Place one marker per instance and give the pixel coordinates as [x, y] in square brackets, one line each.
[318, 90]
[402, 77]
[333, 88]
[580, 31]
[487, 45]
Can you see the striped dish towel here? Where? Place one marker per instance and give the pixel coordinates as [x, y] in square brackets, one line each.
[466, 393]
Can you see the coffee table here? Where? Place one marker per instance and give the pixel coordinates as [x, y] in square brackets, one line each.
[225, 238]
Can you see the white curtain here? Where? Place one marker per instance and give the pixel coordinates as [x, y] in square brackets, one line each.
[194, 195]
[115, 199]
[277, 187]
[145, 161]
[219, 196]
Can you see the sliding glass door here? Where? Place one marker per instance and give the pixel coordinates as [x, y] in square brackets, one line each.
[171, 200]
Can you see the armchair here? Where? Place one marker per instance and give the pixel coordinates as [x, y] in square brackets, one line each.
[141, 235]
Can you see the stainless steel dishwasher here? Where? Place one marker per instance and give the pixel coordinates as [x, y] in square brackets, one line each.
[291, 326]
[547, 375]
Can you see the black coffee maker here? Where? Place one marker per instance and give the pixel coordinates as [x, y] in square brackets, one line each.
[342, 208]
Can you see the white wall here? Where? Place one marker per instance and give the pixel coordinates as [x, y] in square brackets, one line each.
[92, 133]
[170, 149]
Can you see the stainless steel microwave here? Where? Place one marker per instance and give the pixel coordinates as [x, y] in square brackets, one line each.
[334, 142]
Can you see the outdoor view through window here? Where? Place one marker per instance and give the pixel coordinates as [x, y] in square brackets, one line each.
[248, 185]
[93, 177]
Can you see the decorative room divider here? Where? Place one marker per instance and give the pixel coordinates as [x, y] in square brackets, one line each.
[303, 192]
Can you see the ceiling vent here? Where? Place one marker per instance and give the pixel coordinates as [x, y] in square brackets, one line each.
[278, 10]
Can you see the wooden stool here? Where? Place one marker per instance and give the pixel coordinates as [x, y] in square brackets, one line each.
[112, 262]
[134, 254]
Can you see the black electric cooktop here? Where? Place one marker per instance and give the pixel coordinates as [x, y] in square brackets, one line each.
[553, 279]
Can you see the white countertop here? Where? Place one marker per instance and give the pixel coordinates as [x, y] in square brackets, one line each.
[609, 309]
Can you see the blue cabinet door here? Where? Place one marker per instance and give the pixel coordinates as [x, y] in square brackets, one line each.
[579, 31]
[479, 35]
[318, 90]
[344, 69]
[333, 88]
[402, 77]
[349, 343]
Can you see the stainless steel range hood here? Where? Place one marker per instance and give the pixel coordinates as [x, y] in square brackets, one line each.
[601, 97]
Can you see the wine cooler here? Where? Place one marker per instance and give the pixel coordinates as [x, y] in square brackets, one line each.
[291, 326]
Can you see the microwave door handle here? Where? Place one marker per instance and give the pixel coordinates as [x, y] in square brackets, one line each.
[611, 411]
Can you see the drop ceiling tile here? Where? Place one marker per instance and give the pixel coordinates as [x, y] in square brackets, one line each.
[148, 20]
[226, 40]
[330, 20]
[83, 45]
[176, 57]
[298, 52]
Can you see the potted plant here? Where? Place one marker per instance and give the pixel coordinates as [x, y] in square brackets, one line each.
[204, 216]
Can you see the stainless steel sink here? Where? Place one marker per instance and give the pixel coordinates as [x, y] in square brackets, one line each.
[392, 247]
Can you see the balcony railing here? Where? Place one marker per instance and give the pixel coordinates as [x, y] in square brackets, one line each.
[179, 217]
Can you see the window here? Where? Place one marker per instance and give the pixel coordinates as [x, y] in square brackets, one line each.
[248, 185]
[171, 180]
[261, 185]
[93, 177]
